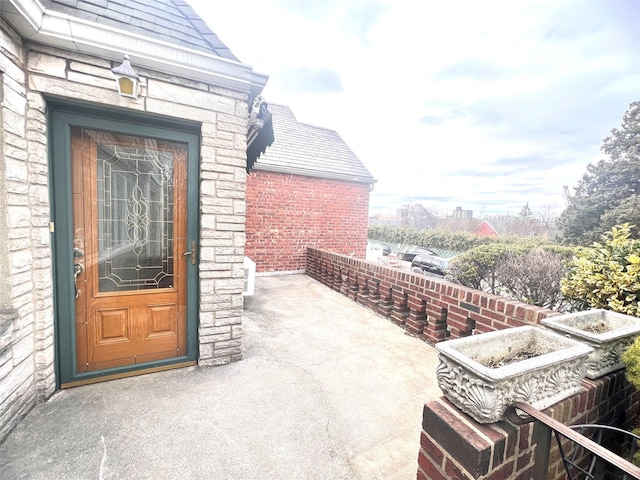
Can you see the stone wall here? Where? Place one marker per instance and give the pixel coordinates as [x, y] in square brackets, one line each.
[288, 213]
[31, 73]
[26, 363]
[223, 117]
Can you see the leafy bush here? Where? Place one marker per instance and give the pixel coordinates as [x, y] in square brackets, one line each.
[440, 239]
[631, 359]
[521, 271]
[606, 275]
[534, 277]
[477, 268]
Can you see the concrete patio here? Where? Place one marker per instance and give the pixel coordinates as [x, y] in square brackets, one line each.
[326, 390]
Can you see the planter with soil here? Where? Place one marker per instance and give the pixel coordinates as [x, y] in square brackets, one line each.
[482, 375]
[608, 333]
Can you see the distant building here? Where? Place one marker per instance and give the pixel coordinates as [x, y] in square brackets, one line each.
[460, 214]
[385, 220]
[486, 229]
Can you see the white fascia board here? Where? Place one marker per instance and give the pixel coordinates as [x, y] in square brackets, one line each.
[313, 173]
[38, 24]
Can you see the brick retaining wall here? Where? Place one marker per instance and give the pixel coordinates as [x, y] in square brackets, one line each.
[428, 307]
[455, 447]
[452, 445]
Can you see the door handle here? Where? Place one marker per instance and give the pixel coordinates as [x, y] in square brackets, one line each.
[192, 253]
[78, 268]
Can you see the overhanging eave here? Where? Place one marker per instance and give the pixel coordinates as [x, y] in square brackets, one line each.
[38, 24]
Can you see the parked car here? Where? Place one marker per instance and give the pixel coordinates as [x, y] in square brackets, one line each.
[378, 249]
[430, 264]
[409, 254]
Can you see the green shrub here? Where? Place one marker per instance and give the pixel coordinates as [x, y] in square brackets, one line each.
[477, 268]
[631, 359]
[606, 275]
[440, 239]
[534, 277]
[520, 270]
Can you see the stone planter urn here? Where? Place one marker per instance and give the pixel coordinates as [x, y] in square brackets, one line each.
[483, 374]
[608, 333]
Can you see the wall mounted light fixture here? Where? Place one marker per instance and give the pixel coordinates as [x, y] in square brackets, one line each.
[127, 79]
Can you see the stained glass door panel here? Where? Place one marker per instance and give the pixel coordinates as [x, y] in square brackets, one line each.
[129, 197]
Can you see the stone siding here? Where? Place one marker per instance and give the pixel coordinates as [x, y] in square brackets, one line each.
[23, 210]
[223, 118]
[288, 213]
[30, 73]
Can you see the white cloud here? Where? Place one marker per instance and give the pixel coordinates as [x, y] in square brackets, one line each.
[486, 105]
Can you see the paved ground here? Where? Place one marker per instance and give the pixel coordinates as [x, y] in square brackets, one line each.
[327, 390]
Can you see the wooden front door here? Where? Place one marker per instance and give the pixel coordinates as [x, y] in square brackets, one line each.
[130, 249]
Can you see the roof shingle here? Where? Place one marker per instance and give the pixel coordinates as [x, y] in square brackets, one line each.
[309, 150]
[171, 21]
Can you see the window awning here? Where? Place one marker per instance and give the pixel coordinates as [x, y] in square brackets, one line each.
[260, 133]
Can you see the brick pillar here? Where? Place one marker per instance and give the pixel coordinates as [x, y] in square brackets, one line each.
[436, 328]
[312, 264]
[400, 310]
[324, 271]
[374, 294]
[336, 279]
[417, 318]
[385, 305]
[354, 284]
[363, 293]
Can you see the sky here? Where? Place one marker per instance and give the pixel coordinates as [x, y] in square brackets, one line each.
[487, 105]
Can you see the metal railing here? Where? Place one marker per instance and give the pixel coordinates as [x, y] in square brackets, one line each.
[521, 413]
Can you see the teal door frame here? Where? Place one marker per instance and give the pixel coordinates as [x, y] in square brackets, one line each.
[61, 118]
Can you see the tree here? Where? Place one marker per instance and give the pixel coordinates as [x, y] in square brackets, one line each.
[525, 225]
[628, 211]
[606, 185]
[416, 216]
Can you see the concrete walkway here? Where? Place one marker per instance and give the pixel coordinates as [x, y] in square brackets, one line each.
[327, 390]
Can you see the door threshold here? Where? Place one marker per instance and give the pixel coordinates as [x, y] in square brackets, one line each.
[134, 373]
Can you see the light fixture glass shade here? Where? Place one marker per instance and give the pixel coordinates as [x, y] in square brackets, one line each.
[127, 79]
[126, 87]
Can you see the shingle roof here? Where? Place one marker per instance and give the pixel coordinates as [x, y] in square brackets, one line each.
[305, 149]
[172, 21]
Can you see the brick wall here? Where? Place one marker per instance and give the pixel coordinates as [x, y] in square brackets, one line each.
[288, 213]
[428, 307]
[455, 447]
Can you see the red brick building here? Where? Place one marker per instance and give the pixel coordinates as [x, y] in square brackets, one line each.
[307, 190]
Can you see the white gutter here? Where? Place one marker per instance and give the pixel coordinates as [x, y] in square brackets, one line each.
[38, 24]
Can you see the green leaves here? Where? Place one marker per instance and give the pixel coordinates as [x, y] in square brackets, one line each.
[607, 275]
[631, 359]
[518, 270]
[607, 193]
